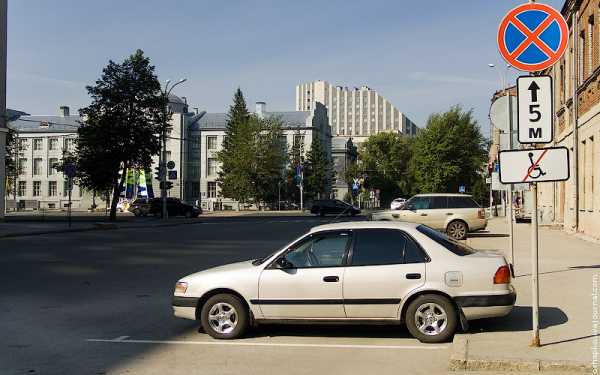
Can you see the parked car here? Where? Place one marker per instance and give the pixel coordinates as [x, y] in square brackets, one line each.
[175, 207]
[122, 205]
[140, 207]
[324, 207]
[397, 203]
[456, 214]
[382, 272]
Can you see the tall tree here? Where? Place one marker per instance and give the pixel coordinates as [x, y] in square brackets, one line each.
[237, 157]
[270, 160]
[122, 125]
[318, 171]
[448, 153]
[385, 159]
[11, 162]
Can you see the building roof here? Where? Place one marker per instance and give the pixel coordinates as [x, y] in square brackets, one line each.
[45, 124]
[290, 119]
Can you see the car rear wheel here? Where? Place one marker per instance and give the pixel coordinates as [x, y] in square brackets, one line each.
[457, 229]
[224, 316]
[431, 318]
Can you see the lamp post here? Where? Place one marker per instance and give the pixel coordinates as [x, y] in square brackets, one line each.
[163, 156]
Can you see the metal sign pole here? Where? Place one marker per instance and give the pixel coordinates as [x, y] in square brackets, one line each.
[510, 187]
[69, 207]
[535, 286]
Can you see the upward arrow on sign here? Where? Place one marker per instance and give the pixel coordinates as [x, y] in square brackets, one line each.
[534, 90]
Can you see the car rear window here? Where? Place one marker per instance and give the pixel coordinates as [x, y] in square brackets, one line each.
[450, 244]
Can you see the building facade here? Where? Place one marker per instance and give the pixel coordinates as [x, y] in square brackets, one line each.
[575, 204]
[206, 132]
[354, 112]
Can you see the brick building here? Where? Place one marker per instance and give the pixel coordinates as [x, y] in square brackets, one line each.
[575, 204]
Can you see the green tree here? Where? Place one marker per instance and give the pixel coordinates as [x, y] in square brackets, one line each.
[270, 160]
[385, 159]
[295, 158]
[122, 125]
[448, 153]
[237, 157]
[11, 162]
[318, 170]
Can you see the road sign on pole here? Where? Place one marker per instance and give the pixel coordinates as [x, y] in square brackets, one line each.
[532, 37]
[535, 165]
[535, 109]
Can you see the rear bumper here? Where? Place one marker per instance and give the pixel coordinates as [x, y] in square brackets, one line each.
[478, 224]
[487, 306]
[185, 307]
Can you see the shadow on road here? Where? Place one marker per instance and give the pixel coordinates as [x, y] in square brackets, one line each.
[329, 330]
[520, 320]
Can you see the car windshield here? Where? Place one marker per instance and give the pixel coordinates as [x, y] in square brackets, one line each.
[450, 244]
[259, 261]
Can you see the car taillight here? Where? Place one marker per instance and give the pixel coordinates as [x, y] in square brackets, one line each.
[502, 275]
[481, 213]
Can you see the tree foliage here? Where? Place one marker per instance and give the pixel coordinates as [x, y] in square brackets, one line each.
[122, 125]
[448, 153]
[271, 157]
[11, 161]
[318, 170]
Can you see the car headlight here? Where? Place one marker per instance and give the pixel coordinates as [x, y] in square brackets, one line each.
[181, 287]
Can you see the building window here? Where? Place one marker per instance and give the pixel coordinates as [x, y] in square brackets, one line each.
[212, 189]
[299, 141]
[37, 144]
[51, 188]
[37, 166]
[70, 144]
[581, 57]
[22, 191]
[590, 52]
[52, 162]
[23, 143]
[22, 165]
[211, 166]
[53, 144]
[592, 178]
[37, 186]
[211, 142]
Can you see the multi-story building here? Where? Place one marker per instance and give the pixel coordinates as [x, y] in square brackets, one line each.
[42, 142]
[206, 132]
[354, 112]
[575, 204]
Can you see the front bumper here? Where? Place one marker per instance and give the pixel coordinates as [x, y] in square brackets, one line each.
[185, 307]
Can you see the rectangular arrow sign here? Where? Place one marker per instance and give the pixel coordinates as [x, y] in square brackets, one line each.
[535, 165]
[535, 109]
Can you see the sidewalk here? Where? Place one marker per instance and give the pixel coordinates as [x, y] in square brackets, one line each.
[569, 276]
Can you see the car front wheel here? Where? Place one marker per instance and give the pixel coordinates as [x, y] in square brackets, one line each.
[224, 316]
[457, 229]
[431, 318]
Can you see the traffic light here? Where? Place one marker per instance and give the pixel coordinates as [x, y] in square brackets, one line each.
[158, 173]
[167, 185]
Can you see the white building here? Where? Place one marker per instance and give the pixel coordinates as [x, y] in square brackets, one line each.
[206, 135]
[355, 112]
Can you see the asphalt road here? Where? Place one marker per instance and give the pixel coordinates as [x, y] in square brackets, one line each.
[99, 303]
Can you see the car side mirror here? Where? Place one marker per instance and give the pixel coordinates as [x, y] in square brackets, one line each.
[283, 263]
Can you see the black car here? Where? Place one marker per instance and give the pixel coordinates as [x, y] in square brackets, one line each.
[333, 206]
[175, 207]
[140, 207]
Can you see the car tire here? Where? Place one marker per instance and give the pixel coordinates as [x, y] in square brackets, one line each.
[189, 214]
[443, 323]
[457, 229]
[216, 321]
[137, 213]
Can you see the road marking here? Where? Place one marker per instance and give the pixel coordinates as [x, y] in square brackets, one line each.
[121, 338]
[272, 344]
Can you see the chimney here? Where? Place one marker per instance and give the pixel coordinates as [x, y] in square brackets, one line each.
[261, 109]
[64, 110]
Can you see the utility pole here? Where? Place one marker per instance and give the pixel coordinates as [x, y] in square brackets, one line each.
[3, 114]
[510, 187]
[575, 115]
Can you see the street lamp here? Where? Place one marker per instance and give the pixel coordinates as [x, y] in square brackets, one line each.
[163, 157]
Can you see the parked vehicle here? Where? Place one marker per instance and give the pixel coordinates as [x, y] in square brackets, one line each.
[381, 272]
[122, 205]
[397, 203]
[140, 207]
[175, 207]
[324, 207]
[456, 214]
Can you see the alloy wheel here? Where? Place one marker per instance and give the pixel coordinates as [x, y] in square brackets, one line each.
[431, 319]
[222, 317]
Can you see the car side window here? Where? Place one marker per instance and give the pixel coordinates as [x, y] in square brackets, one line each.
[378, 247]
[439, 202]
[462, 202]
[321, 250]
[413, 253]
[419, 203]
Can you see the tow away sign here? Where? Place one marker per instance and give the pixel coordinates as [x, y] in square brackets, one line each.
[535, 165]
[534, 109]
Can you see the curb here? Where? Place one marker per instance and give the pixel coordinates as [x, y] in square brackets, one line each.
[460, 361]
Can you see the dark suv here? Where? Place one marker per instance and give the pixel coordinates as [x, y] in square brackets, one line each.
[333, 206]
[175, 207]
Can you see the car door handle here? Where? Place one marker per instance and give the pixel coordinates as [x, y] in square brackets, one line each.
[423, 214]
[331, 279]
[395, 216]
[449, 213]
[413, 276]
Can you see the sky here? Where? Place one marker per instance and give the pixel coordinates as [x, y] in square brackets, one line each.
[423, 56]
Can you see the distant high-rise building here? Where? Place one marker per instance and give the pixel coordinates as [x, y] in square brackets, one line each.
[354, 112]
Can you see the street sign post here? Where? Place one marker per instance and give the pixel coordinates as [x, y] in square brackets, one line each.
[532, 37]
[535, 109]
[535, 165]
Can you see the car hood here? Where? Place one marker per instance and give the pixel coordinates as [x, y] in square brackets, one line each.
[233, 267]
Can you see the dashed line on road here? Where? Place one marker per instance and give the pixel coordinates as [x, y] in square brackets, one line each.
[271, 344]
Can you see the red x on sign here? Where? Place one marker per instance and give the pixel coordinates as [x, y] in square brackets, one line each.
[532, 37]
